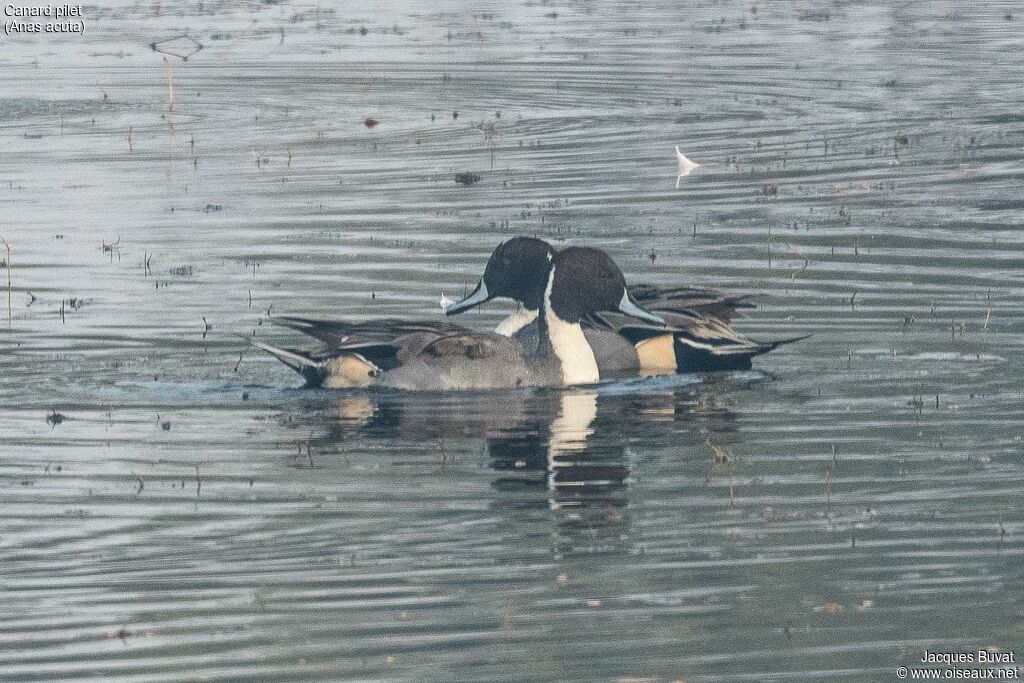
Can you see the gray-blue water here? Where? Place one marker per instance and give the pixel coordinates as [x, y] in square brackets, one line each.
[174, 507]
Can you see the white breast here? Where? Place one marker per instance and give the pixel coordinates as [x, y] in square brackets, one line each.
[570, 345]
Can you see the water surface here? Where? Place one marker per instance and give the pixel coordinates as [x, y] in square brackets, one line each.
[175, 507]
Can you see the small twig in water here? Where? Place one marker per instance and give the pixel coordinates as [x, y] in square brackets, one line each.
[170, 86]
[8, 247]
[113, 247]
[828, 492]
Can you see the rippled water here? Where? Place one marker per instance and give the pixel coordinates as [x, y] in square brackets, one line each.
[173, 507]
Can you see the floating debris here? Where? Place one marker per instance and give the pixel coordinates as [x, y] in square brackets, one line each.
[820, 16]
[112, 247]
[467, 178]
[183, 46]
[686, 166]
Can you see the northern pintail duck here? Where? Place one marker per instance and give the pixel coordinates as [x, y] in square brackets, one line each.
[700, 338]
[579, 283]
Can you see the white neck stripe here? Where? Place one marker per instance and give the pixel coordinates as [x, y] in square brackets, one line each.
[574, 353]
[516, 321]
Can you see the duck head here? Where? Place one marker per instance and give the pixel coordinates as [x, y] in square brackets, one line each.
[588, 280]
[517, 269]
[584, 281]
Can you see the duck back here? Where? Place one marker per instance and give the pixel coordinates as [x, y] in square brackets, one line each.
[468, 361]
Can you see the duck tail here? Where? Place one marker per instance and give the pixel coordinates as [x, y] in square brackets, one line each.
[757, 348]
[694, 354]
[298, 362]
[765, 347]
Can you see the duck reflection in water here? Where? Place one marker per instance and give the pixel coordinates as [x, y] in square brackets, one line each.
[564, 457]
[579, 477]
[558, 457]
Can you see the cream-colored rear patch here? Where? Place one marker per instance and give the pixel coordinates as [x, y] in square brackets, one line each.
[657, 353]
[349, 371]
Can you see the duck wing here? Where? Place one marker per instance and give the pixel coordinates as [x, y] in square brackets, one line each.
[467, 360]
[471, 345]
[703, 333]
[340, 333]
[387, 343]
[417, 345]
[690, 299]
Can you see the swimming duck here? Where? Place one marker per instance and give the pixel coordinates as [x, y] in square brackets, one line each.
[698, 341]
[578, 283]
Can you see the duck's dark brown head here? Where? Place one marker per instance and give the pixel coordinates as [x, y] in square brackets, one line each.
[585, 281]
[517, 269]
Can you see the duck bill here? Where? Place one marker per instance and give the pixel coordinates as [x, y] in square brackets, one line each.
[630, 308]
[477, 297]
